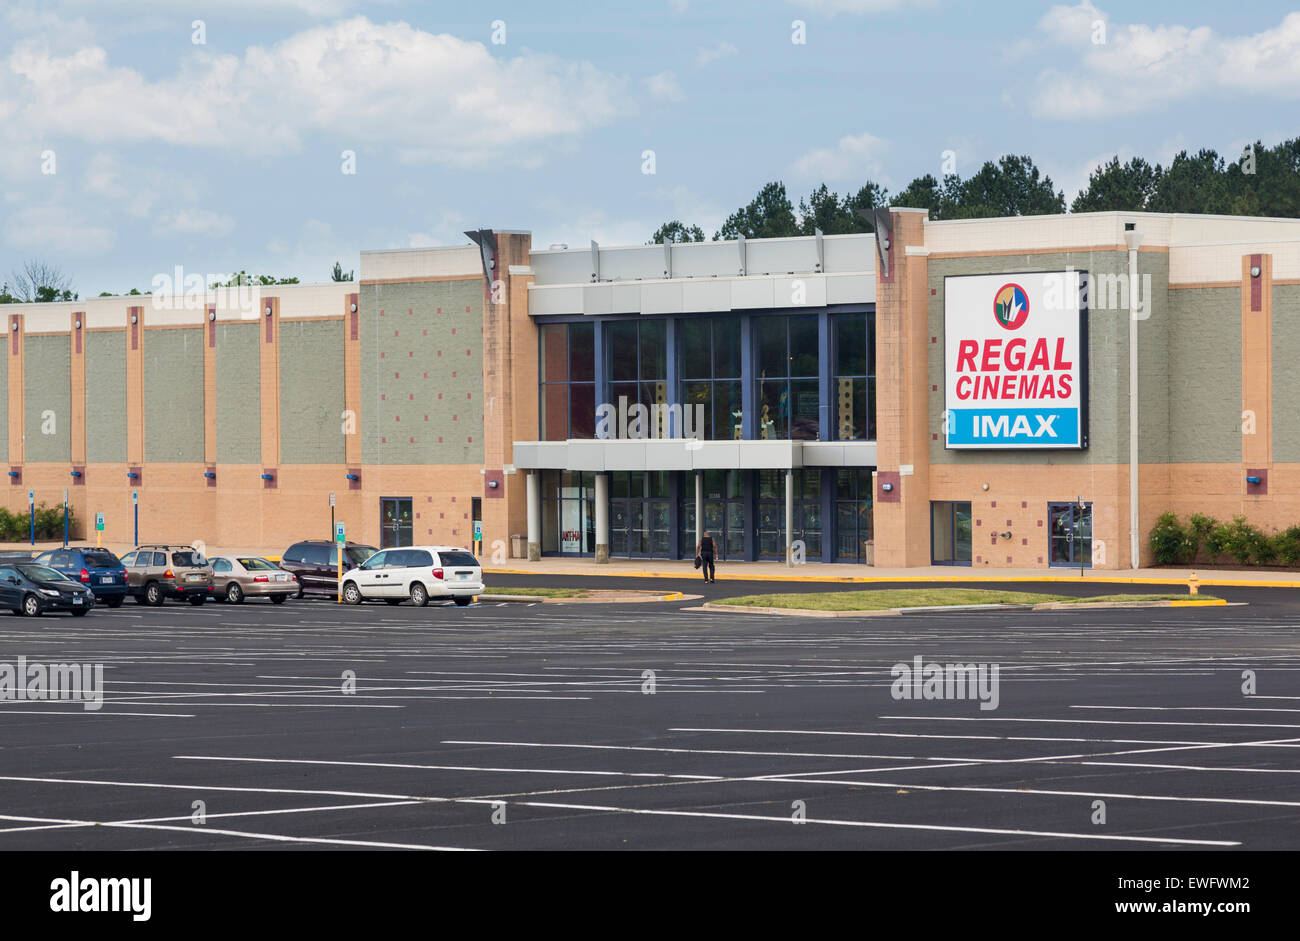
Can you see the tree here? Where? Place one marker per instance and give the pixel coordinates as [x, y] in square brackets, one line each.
[925, 192]
[1119, 187]
[41, 282]
[770, 215]
[1192, 184]
[1010, 187]
[676, 231]
[338, 274]
[834, 215]
[243, 277]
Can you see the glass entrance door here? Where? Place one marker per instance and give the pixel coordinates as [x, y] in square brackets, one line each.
[395, 527]
[1070, 534]
[950, 533]
[640, 514]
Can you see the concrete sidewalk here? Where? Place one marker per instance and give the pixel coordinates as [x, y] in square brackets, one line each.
[813, 572]
[865, 574]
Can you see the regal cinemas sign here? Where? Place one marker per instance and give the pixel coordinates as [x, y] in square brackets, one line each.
[1016, 360]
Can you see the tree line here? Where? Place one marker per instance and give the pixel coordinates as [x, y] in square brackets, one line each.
[1263, 181]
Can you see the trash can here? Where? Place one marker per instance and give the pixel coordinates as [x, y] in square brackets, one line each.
[517, 546]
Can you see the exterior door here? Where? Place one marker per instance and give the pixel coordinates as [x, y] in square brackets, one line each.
[369, 576]
[950, 533]
[1070, 534]
[395, 522]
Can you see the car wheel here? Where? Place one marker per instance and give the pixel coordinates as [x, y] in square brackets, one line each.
[419, 595]
[80, 612]
[463, 600]
[197, 600]
[351, 594]
[153, 594]
[115, 601]
[31, 607]
[278, 599]
[234, 594]
[299, 595]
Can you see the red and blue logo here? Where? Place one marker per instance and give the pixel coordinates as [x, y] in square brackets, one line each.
[1011, 306]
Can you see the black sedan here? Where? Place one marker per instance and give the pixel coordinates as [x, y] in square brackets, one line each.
[31, 590]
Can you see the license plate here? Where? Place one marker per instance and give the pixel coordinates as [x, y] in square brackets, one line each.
[282, 578]
[76, 599]
[464, 575]
[106, 579]
[194, 578]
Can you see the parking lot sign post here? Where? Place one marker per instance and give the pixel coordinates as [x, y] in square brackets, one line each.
[340, 539]
[65, 517]
[99, 529]
[31, 509]
[135, 503]
[478, 537]
[331, 510]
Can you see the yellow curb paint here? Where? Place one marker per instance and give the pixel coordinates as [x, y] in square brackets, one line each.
[1208, 602]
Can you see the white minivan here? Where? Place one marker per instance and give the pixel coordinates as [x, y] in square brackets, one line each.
[417, 573]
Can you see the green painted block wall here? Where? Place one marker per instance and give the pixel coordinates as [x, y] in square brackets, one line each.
[4, 403]
[1286, 373]
[422, 372]
[312, 392]
[1205, 375]
[173, 395]
[47, 395]
[1107, 365]
[238, 375]
[106, 397]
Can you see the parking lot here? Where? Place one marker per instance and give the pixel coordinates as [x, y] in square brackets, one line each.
[647, 726]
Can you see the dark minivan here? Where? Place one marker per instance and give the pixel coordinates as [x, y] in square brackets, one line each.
[98, 569]
[315, 563]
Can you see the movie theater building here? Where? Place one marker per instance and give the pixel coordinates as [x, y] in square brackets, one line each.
[994, 393]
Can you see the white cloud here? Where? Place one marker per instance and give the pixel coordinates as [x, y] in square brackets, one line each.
[194, 222]
[832, 7]
[852, 158]
[664, 87]
[448, 228]
[714, 53]
[1139, 68]
[431, 98]
[59, 231]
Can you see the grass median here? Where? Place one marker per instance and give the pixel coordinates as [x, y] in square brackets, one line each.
[887, 598]
[540, 592]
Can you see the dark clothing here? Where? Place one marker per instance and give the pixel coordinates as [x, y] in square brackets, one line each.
[707, 552]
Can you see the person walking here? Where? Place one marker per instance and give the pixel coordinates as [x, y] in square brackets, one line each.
[706, 550]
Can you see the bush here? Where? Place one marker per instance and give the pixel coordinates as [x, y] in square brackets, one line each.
[1199, 528]
[1286, 546]
[16, 527]
[1171, 544]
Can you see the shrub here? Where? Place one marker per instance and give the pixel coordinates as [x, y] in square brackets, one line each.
[1171, 544]
[16, 527]
[1199, 528]
[1286, 546]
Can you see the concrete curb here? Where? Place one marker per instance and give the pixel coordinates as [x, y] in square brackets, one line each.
[930, 609]
[1190, 603]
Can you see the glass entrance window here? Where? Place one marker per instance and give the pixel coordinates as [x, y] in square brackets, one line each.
[568, 512]
[395, 526]
[854, 386]
[640, 514]
[950, 533]
[724, 513]
[1070, 534]
[709, 366]
[854, 522]
[787, 355]
[637, 358]
[566, 371]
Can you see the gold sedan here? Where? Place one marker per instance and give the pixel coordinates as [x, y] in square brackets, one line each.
[236, 577]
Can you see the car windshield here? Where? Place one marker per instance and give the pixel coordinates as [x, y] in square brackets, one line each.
[101, 560]
[187, 558]
[359, 554]
[42, 573]
[257, 565]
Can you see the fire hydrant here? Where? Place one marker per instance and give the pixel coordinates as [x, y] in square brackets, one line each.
[1193, 585]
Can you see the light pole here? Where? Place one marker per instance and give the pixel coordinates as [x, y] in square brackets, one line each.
[1133, 239]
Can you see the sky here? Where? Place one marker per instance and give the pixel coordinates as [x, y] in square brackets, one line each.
[280, 136]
